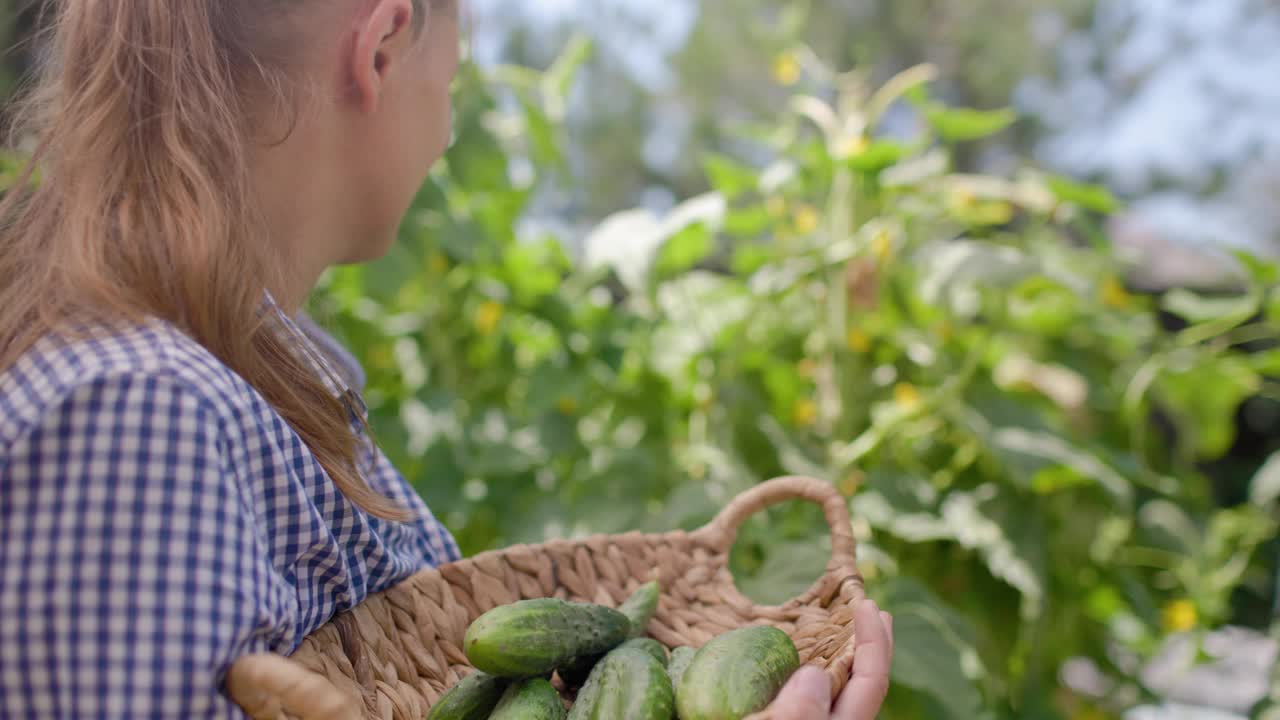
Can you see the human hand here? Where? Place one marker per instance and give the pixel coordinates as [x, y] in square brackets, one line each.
[807, 696]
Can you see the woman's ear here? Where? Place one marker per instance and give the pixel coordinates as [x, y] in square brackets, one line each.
[382, 36]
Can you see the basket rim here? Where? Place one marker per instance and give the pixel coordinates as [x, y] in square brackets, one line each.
[265, 683]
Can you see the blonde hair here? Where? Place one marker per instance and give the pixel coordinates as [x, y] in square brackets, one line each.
[142, 123]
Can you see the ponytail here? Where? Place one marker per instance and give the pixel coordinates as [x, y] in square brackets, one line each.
[141, 123]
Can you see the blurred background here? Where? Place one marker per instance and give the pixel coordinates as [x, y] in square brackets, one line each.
[1003, 271]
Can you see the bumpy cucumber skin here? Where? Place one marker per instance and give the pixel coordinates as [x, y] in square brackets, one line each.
[534, 637]
[640, 607]
[628, 684]
[680, 659]
[473, 698]
[532, 699]
[736, 674]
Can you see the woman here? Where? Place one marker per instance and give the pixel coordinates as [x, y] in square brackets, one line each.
[185, 478]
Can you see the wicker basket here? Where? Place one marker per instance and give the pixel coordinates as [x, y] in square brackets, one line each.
[395, 654]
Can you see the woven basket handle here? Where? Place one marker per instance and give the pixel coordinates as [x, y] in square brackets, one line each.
[269, 687]
[724, 528]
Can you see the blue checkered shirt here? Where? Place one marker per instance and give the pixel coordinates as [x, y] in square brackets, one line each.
[158, 519]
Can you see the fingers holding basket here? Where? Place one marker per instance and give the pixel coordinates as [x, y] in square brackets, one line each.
[807, 694]
[873, 656]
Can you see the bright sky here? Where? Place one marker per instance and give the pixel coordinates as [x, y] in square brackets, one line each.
[1200, 83]
[610, 22]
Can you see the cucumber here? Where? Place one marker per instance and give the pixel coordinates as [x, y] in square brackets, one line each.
[576, 673]
[473, 698]
[649, 645]
[628, 684]
[680, 658]
[534, 637]
[736, 674]
[640, 607]
[532, 699]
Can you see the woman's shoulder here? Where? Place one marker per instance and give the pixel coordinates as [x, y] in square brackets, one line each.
[62, 365]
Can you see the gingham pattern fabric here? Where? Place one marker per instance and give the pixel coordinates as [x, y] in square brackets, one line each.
[158, 520]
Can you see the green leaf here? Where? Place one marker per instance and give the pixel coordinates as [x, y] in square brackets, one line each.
[902, 506]
[1057, 478]
[747, 222]
[957, 272]
[684, 250]
[878, 156]
[1090, 197]
[560, 76]
[728, 176]
[1264, 488]
[1266, 362]
[789, 568]
[750, 257]
[960, 125]
[1053, 449]
[1001, 538]
[541, 134]
[934, 649]
[1043, 306]
[1196, 308]
[535, 269]
[1263, 271]
[1203, 396]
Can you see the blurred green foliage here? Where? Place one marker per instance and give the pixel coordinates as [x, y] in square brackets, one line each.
[956, 353]
[712, 85]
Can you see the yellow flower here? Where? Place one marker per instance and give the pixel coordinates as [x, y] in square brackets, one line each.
[858, 341]
[1114, 295]
[907, 396]
[882, 246]
[963, 198]
[853, 146]
[805, 413]
[786, 69]
[998, 213]
[806, 219]
[567, 405]
[1179, 616]
[487, 316]
[850, 484]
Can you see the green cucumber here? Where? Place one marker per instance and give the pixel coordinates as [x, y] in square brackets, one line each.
[628, 684]
[649, 645]
[640, 607]
[736, 674]
[534, 637]
[576, 673]
[473, 698]
[532, 699]
[680, 659]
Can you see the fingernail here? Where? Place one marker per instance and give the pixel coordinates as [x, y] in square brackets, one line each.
[813, 684]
